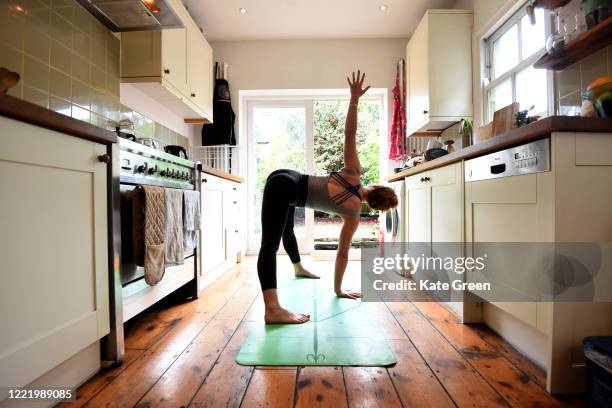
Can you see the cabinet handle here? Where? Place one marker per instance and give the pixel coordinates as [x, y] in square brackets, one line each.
[425, 112]
[205, 180]
[105, 158]
[235, 202]
[166, 71]
[234, 188]
[424, 179]
[236, 231]
[193, 95]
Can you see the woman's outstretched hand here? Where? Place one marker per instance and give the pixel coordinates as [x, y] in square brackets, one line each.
[356, 85]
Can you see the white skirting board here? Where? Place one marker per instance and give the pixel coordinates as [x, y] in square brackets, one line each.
[526, 339]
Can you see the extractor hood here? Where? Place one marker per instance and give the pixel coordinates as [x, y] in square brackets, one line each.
[133, 15]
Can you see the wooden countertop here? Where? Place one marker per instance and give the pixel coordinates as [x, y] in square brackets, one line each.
[222, 174]
[28, 112]
[524, 134]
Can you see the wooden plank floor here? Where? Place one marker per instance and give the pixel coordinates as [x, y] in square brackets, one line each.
[181, 354]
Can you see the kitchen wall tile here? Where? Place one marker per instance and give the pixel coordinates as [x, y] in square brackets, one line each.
[60, 106]
[570, 105]
[60, 85]
[16, 91]
[81, 43]
[61, 30]
[36, 43]
[593, 67]
[38, 16]
[64, 8]
[12, 23]
[10, 58]
[70, 63]
[98, 33]
[80, 68]
[97, 55]
[81, 114]
[569, 80]
[81, 94]
[60, 57]
[36, 96]
[35, 73]
[98, 78]
[82, 19]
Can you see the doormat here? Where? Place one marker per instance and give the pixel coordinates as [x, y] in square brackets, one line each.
[341, 332]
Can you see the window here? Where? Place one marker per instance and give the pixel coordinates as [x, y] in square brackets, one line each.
[510, 77]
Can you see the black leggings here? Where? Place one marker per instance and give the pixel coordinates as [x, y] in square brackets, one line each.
[284, 190]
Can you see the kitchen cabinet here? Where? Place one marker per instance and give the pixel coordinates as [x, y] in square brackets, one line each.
[439, 71]
[200, 72]
[434, 205]
[172, 66]
[434, 213]
[222, 236]
[54, 296]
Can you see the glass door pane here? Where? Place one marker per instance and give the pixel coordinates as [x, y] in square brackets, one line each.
[277, 139]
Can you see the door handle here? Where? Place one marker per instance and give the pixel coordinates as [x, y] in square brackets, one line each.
[498, 168]
[105, 158]
[166, 71]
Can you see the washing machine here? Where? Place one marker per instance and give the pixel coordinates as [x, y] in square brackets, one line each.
[394, 220]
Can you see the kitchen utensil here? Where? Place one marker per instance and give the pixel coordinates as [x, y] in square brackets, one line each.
[147, 141]
[127, 136]
[176, 150]
[434, 144]
[503, 119]
[448, 145]
[8, 79]
[432, 154]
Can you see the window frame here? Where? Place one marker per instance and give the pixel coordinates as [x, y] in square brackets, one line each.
[488, 84]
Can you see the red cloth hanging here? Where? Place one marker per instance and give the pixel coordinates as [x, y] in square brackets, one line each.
[397, 133]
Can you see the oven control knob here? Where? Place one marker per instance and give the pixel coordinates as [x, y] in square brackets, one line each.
[152, 170]
[162, 173]
[142, 168]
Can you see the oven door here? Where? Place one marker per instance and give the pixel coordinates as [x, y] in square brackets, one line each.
[130, 271]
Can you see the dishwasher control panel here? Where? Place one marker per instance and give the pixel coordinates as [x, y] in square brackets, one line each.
[529, 158]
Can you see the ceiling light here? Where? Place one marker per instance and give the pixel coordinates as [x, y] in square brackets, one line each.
[383, 7]
[242, 10]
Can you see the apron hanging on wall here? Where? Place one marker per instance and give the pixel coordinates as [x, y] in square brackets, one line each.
[221, 131]
[397, 133]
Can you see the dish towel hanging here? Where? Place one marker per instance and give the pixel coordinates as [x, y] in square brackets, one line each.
[397, 133]
[173, 240]
[149, 226]
[191, 218]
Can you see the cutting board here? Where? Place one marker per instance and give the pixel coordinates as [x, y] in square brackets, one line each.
[503, 119]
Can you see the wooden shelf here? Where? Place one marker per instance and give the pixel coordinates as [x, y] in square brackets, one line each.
[550, 4]
[197, 121]
[582, 46]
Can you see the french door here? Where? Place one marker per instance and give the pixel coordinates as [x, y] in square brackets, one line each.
[280, 136]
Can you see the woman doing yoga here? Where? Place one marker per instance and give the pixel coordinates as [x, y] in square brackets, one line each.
[338, 193]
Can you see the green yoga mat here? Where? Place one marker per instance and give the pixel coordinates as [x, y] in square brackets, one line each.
[342, 332]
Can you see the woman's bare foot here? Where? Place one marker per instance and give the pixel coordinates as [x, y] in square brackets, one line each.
[303, 273]
[284, 316]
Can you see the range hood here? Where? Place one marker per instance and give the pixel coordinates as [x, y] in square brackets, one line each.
[133, 15]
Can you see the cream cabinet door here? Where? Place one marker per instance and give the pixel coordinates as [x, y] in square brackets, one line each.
[417, 213]
[200, 71]
[213, 231]
[512, 209]
[174, 58]
[446, 185]
[417, 75]
[54, 298]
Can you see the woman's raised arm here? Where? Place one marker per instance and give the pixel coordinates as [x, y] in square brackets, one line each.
[351, 159]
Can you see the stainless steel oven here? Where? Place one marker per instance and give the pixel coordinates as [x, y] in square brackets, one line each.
[142, 165]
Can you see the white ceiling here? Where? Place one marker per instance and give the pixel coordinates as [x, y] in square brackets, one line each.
[300, 19]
